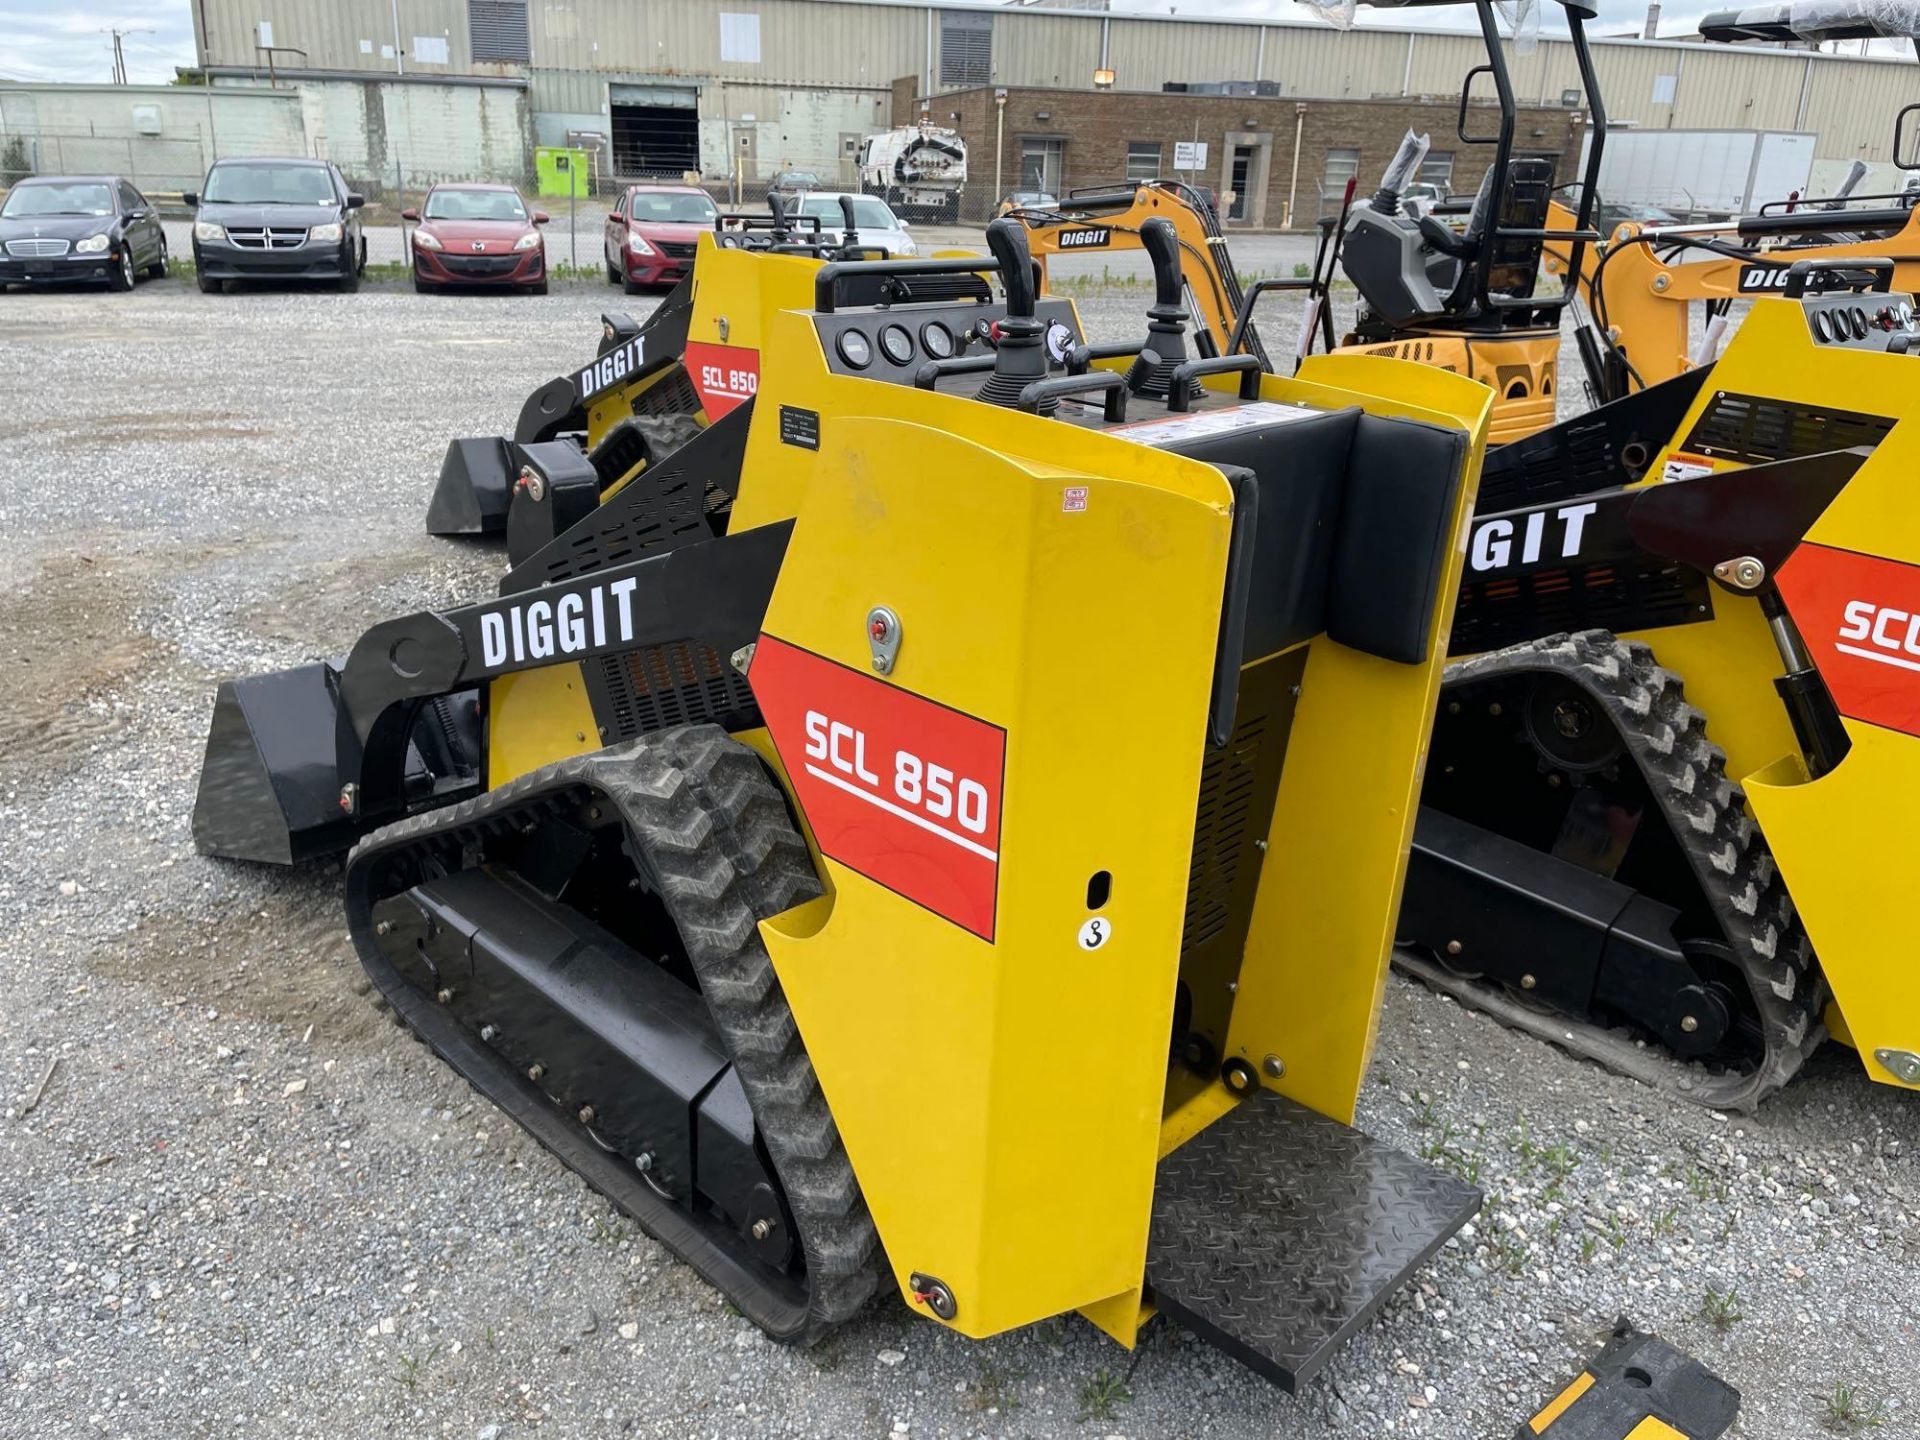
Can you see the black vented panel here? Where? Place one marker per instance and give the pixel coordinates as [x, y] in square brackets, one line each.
[1582, 458]
[673, 394]
[1493, 614]
[640, 691]
[1229, 790]
[1753, 430]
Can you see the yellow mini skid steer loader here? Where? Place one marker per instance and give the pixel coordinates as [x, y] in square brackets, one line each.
[940, 828]
[1686, 710]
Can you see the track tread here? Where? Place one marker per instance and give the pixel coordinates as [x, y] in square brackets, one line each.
[710, 830]
[1686, 773]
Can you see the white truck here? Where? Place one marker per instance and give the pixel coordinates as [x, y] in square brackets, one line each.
[919, 170]
[1703, 174]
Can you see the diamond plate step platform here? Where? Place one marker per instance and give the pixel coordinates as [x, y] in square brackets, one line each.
[1277, 1232]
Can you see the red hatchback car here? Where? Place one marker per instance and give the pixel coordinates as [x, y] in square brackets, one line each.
[651, 234]
[474, 235]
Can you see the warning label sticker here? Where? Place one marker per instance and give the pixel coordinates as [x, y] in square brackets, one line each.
[900, 788]
[1682, 466]
[1175, 428]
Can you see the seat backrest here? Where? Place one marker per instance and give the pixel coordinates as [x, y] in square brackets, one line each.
[1516, 259]
[1350, 528]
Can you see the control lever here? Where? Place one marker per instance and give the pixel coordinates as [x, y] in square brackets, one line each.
[778, 209]
[1020, 357]
[1151, 375]
[849, 235]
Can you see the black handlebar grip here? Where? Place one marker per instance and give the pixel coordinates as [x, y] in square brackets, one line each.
[846, 215]
[1162, 244]
[778, 208]
[1007, 239]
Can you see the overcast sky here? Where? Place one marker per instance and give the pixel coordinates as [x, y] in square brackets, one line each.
[51, 40]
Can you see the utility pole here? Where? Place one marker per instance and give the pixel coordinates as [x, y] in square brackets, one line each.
[120, 54]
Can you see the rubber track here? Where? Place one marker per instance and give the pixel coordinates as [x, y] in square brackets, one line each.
[1686, 774]
[710, 833]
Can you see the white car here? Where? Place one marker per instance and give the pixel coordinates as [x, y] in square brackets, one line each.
[873, 223]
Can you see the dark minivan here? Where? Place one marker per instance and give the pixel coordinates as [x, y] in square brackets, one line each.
[276, 220]
[55, 228]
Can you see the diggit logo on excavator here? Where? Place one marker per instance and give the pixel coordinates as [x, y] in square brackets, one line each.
[1860, 616]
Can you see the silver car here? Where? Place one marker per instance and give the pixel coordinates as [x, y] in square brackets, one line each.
[873, 223]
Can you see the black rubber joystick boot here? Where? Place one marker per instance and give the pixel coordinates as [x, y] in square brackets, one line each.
[1021, 357]
[1166, 317]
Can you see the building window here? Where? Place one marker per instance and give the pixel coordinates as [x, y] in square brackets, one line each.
[1042, 159]
[499, 30]
[966, 48]
[1143, 160]
[739, 39]
[1437, 170]
[1342, 166]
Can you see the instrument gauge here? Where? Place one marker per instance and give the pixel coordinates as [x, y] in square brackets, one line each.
[896, 344]
[937, 340]
[855, 349]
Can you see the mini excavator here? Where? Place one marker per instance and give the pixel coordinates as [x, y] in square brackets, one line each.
[1643, 282]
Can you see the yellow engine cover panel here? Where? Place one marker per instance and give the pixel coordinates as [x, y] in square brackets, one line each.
[995, 1066]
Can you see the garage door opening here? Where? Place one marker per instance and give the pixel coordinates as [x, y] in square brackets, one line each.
[656, 131]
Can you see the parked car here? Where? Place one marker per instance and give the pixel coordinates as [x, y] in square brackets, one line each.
[1026, 200]
[791, 185]
[1608, 218]
[1421, 197]
[276, 220]
[56, 228]
[470, 235]
[651, 234]
[873, 222]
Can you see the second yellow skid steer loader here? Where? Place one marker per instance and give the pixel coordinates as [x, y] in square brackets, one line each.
[939, 829]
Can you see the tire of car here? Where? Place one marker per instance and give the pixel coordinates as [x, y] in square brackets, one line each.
[121, 276]
[207, 286]
[539, 287]
[158, 269]
[631, 285]
[421, 287]
[348, 283]
[613, 273]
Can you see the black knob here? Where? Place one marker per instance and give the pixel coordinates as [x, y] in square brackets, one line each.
[1162, 244]
[1007, 239]
[849, 234]
[778, 209]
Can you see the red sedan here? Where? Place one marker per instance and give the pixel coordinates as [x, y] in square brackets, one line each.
[477, 235]
[651, 234]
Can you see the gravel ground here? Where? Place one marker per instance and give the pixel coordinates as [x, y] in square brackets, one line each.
[243, 1204]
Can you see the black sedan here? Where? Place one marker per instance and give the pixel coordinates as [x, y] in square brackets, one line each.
[58, 228]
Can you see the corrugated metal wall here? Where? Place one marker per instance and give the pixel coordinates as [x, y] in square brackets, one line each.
[824, 45]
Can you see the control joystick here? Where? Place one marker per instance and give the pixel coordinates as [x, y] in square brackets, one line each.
[1151, 374]
[1020, 357]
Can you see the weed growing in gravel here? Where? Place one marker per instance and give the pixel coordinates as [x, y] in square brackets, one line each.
[1587, 1246]
[992, 1388]
[1448, 1156]
[1100, 1394]
[410, 1368]
[1721, 1311]
[825, 1357]
[1506, 1250]
[1847, 1412]
[1053, 1333]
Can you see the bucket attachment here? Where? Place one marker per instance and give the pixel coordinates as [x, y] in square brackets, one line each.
[1277, 1232]
[270, 785]
[475, 485]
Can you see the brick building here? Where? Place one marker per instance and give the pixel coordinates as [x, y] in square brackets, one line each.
[1286, 160]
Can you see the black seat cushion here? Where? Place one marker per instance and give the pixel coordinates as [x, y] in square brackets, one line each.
[1300, 467]
[1393, 535]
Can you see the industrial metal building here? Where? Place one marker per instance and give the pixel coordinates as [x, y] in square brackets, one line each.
[741, 88]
